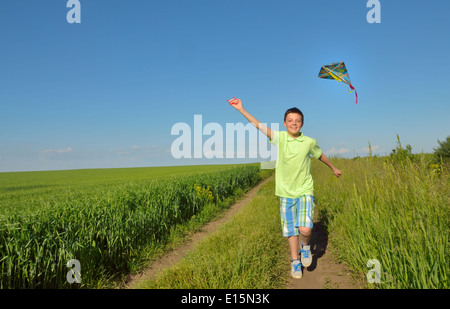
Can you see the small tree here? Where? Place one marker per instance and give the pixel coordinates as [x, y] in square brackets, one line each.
[400, 154]
[443, 151]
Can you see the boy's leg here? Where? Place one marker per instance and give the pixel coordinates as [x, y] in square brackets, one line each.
[305, 233]
[305, 221]
[293, 244]
[293, 213]
[305, 248]
[288, 212]
[305, 213]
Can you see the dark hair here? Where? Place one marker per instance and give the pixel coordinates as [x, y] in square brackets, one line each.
[294, 110]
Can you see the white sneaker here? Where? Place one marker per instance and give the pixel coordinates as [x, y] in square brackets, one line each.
[306, 257]
[296, 269]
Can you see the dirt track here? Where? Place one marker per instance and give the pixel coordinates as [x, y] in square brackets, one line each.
[323, 273]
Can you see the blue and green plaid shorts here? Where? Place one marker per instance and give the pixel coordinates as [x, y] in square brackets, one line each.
[295, 213]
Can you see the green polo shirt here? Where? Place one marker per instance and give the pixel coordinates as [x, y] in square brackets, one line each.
[293, 169]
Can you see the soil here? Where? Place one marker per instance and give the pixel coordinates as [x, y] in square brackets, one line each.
[324, 272]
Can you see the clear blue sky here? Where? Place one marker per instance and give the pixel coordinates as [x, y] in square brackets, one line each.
[106, 92]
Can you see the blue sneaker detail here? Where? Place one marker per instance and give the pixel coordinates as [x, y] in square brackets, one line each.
[305, 254]
[296, 269]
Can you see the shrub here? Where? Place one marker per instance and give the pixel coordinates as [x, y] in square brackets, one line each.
[443, 151]
[400, 154]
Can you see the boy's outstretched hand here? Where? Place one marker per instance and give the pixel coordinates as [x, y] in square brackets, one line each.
[236, 103]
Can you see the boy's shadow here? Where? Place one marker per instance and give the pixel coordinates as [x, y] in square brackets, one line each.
[319, 242]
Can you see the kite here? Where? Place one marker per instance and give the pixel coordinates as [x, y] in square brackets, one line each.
[337, 71]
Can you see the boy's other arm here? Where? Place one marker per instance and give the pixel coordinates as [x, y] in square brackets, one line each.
[325, 160]
[237, 104]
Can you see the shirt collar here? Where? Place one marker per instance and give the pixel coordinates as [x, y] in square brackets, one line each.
[298, 139]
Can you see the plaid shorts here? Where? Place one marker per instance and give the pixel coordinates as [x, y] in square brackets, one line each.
[296, 212]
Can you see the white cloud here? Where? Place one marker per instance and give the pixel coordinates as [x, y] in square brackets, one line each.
[333, 151]
[376, 147]
[65, 150]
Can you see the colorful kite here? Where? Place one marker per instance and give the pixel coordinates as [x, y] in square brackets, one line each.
[337, 71]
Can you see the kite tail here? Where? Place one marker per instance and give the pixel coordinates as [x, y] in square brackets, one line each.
[353, 88]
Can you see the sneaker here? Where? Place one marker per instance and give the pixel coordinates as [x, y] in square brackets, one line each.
[296, 269]
[306, 257]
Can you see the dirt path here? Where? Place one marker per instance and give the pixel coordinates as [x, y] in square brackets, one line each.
[175, 256]
[323, 273]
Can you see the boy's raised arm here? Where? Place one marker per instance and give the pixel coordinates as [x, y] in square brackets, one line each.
[237, 104]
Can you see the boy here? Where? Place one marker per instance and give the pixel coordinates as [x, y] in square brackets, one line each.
[293, 181]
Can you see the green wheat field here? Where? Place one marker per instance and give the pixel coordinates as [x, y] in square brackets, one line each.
[109, 220]
[116, 220]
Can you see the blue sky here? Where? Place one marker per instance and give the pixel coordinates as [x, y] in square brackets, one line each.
[106, 92]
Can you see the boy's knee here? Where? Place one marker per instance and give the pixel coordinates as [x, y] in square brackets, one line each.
[305, 231]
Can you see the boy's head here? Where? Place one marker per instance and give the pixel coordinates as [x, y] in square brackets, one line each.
[294, 110]
[293, 120]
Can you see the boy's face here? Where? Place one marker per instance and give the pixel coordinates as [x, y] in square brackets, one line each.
[293, 123]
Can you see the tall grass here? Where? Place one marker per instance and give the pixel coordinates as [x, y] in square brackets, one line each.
[247, 252]
[397, 213]
[106, 230]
